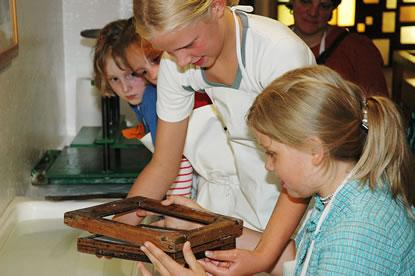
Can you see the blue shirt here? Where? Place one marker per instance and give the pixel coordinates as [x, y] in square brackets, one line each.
[365, 233]
[145, 111]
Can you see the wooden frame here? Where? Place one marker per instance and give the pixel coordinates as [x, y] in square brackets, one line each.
[120, 240]
[8, 32]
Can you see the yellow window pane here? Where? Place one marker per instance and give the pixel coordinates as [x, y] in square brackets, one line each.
[409, 1]
[388, 22]
[369, 20]
[346, 13]
[285, 16]
[407, 14]
[408, 35]
[391, 4]
[333, 20]
[361, 27]
[384, 46]
[371, 1]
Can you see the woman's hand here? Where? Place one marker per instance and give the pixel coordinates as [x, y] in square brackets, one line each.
[233, 262]
[166, 266]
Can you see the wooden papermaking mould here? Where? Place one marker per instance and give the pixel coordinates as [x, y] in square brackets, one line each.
[120, 240]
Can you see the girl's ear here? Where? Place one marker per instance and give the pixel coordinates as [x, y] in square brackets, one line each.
[218, 8]
[317, 151]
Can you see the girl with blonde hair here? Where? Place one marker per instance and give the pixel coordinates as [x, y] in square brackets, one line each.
[232, 56]
[350, 153]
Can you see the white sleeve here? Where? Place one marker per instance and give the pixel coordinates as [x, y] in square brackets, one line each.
[174, 102]
[285, 55]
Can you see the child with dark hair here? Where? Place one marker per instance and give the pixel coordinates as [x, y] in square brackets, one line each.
[113, 75]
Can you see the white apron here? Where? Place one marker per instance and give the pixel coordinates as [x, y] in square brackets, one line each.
[207, 148]
[257, 184]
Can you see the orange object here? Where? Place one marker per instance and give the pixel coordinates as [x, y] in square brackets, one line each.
[136, 132]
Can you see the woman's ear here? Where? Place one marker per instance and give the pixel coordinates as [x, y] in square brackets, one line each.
[317, 151]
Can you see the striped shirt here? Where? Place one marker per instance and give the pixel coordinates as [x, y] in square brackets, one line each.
[365, 233]
[182, 185]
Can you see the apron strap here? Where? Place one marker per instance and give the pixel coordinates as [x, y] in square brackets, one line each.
[322, 58]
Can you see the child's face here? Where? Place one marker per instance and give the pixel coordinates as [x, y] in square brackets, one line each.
[144, 64]
[125, 83]
[199, 44]
[293, 167]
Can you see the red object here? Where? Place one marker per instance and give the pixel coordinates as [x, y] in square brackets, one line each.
[136, 132]
[201, 99]
[357, 60]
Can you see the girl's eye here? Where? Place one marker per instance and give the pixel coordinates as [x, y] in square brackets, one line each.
[140, 73]
[270, 154]
[156, 59]
[114, 79]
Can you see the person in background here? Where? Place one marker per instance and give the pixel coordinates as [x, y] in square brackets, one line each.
[349, 153]
[232, 56]
[114, 76]
[352, 55]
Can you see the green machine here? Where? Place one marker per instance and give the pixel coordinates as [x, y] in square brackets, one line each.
[99, 162]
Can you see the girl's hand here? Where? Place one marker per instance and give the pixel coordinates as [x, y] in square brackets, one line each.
[131, 218]
[233, 262]
[175, 223]
[181, 200]
[143, 270]
[166, 266]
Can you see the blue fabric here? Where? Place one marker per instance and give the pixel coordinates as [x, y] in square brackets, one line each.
[365, 233]
[411, 132]
[146, 111]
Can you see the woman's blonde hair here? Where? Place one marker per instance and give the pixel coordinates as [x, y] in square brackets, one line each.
[317, 102]
[159, 16]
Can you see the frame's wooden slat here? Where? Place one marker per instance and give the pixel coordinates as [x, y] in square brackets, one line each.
[220, 229]
[178, 211]
[132, 252]
[137, 235]
[134, 203]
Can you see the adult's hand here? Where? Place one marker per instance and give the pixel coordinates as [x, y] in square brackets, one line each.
[166, 266]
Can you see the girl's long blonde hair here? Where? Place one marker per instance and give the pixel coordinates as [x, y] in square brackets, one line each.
[159, 16]
[317, 102]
